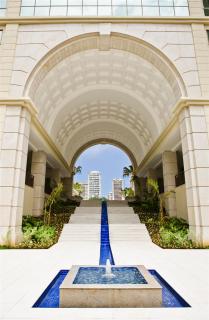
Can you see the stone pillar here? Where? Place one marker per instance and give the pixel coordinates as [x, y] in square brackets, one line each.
[196, 7]
[195, 147]
[14, 135]
[13, 8]
[56, 175]
[38, 170]
[68, 186]
[170, 170]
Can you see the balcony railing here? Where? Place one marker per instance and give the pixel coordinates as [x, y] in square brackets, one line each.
[180, 179]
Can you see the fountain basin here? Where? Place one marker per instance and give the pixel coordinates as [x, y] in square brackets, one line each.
[132, 287]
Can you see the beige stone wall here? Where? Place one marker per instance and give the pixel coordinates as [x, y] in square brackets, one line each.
[7, 53]
[175, 41]
[28, 201]
[181, 202]
[202, 56]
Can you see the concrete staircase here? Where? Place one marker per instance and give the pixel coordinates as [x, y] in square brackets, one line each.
[124, 224]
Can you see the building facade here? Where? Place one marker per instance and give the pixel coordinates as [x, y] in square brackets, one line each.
[94, 184]
[110, 196]
[85, 188]
[117, 187]
[131, 73]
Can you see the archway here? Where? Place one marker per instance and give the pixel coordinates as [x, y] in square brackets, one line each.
[112, 87]
[106, 162]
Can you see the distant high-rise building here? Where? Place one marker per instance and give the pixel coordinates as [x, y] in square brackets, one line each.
[84, 193]
[94, 184]
[110, 196]
[117, 186]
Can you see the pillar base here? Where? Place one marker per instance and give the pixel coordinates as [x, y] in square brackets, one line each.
[11, 235]
[199, 235]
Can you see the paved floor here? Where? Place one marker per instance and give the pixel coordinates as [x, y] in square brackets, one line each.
[24, 274]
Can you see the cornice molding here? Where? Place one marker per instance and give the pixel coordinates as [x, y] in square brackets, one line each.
[184, 102]
[22, 102]
[70, 20]
[28, 104]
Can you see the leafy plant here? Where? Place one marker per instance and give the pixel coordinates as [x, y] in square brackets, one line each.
[128, 192]
[77, 188]
[50, 201]
[153, 188]
[76, 170]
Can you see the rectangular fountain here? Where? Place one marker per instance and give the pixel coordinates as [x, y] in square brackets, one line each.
[110, 287]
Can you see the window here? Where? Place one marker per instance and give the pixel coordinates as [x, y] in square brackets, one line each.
[3, 5]
[206, 7]
[117, 8]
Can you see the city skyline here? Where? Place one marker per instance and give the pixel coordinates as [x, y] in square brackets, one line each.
[107, 159]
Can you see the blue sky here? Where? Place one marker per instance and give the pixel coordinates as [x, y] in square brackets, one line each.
[107, 159]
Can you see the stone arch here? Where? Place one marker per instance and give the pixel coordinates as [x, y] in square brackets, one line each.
[115, 40]
[92, 143]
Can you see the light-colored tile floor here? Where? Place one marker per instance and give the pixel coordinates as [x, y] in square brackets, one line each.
[24, 274]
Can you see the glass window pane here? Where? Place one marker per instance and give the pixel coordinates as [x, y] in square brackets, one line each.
[133, 2]
[167, 11]
[89, 11]
[134, 11]
[165, 3]
[118, 2]
[104, 2]
[182, 11]
[150, 2]
[119, 11]
[75, 2]
[104, 11]
[58, 11]
[41, 11]
[89, 2]
[75, 11]
[2, 12]
[58, 2]
[181, 3]
[3, 4]
[28, 3]
[150, 11]
[27, 11]
[42, 3]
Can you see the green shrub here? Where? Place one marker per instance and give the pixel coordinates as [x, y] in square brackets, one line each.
[174, 233]
[36, 233]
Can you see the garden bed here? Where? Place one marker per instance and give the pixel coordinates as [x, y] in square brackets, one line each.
[170, 233]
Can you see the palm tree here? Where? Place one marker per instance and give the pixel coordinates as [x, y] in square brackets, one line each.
[129, 172]
[76, 170]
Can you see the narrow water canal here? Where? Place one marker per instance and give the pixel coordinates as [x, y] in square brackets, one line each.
[105, 247]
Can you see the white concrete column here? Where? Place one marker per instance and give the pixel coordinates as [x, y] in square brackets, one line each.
[170, 170]
[195, 147]
[14, 135]
[196, 7]
[13, 8]
[38, 170]
[68, 186]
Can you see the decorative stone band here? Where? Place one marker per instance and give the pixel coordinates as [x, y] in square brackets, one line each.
[27, 103]
[184, 102]
[71, 20]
